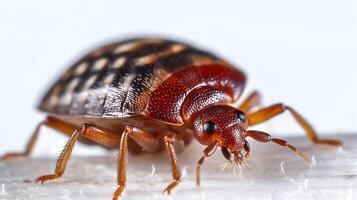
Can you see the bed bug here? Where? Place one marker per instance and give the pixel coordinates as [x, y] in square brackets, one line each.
[152, 95]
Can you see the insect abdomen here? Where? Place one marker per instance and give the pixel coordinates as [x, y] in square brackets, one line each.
[117, 80]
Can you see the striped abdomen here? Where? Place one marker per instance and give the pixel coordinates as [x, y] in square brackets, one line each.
[117, 80]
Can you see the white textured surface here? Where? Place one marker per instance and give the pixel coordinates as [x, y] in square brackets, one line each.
[275, 174]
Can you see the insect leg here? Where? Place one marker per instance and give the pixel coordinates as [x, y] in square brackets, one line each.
[91, 132]
[252, 100]
[51, 122]
[122, 161]
[29, 146]
[147, 141]
[274, 110]
[265, 137]
[209, 150]
[176, 174]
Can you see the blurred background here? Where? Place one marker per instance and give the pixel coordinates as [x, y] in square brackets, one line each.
[302, 53]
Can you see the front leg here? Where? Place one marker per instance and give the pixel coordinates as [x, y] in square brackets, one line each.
[265, 114]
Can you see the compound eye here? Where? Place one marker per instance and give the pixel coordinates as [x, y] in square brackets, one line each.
[209, 127]
[241, 116]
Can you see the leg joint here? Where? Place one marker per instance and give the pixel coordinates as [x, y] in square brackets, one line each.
[84, 128]
[168, 139]
[282, 106]
[128, 129]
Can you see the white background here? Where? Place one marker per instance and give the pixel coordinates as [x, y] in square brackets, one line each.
[302, 53]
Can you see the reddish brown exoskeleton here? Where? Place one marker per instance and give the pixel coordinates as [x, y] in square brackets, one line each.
[151, 94]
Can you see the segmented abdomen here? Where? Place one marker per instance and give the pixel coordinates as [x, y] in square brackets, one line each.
[118, 79]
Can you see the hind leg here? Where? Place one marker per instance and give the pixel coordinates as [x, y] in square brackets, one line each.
[51, 122]
[29, 146]
[92, 132]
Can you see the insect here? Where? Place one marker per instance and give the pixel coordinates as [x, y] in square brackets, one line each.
[152, 95]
